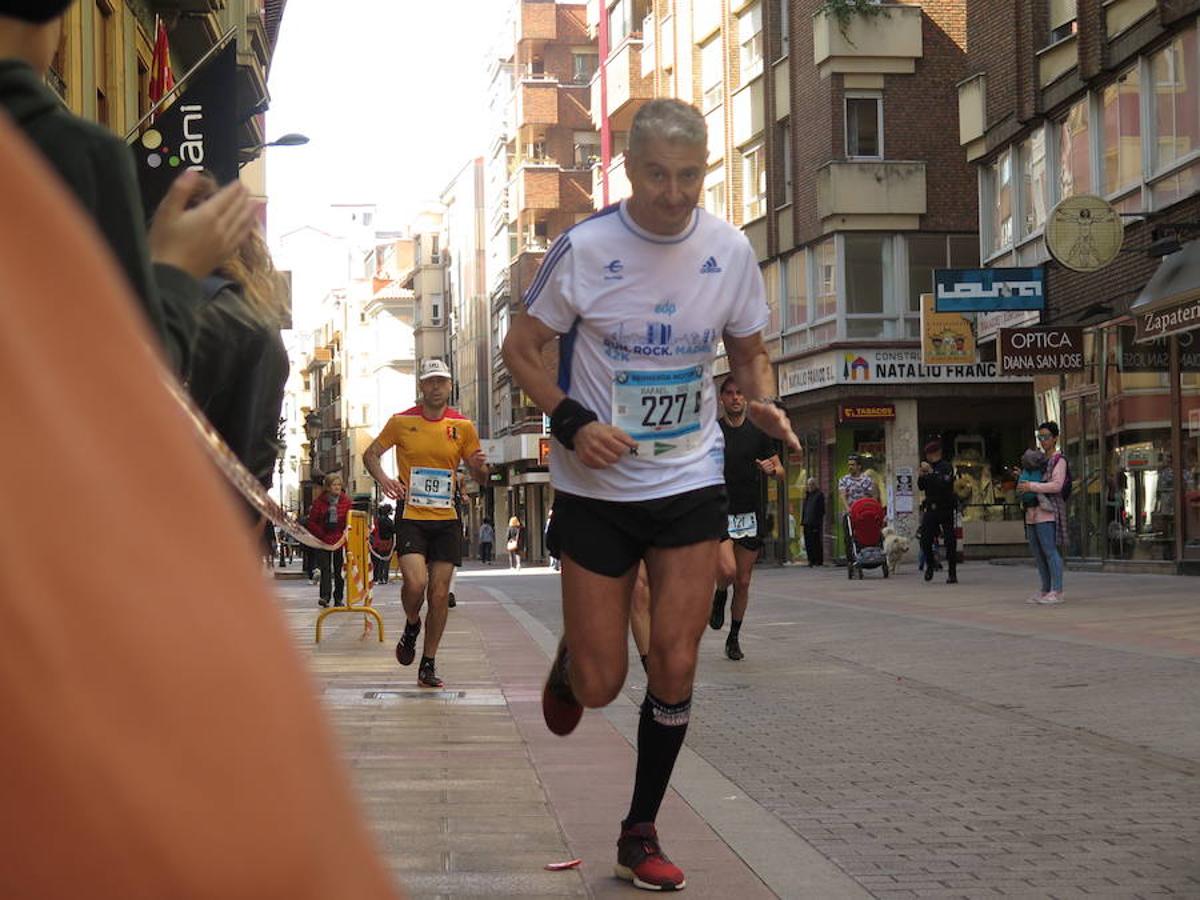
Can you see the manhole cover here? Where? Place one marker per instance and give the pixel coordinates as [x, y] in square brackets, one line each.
[397, 696]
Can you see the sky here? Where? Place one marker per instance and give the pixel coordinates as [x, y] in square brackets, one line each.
[391, 94]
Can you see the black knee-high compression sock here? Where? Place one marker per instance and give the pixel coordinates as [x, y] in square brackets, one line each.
[735, 625]
[660, 735]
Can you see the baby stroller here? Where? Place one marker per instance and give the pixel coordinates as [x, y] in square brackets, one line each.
[864, 530]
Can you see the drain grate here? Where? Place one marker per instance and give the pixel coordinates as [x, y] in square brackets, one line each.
[345, 697]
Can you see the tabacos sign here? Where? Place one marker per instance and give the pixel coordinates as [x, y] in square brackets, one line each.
[1047, 350]
[866, 412]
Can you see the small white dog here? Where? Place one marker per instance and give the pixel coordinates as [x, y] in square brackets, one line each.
[895, 546]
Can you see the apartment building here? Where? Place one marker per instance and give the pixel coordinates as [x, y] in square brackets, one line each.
[537, 177]
[832, 145]
[1103, 99]
[427, 281]
[102, 68]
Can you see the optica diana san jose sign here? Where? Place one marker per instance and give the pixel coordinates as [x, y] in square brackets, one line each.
[883, 366]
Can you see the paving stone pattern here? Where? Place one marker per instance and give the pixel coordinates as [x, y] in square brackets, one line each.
[969, 749]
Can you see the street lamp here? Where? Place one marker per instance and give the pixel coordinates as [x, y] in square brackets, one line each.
[292, 139]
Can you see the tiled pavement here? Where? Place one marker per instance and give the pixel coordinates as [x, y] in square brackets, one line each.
[887, 739]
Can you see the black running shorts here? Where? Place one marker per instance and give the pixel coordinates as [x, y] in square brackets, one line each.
[436, 541]
[609, 538]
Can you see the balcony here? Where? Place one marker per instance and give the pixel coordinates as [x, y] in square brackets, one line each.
[618, 182]
[539, 21]
[1057, 60]
[627, 89]
[748, 107]
[871, 196]
[545, 186]
[537, 102]
[884, 44]
[972, 115]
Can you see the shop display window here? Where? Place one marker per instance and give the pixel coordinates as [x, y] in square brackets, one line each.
[801, 465]
[1189, 390]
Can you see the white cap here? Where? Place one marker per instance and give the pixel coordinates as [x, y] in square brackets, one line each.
[434, 368]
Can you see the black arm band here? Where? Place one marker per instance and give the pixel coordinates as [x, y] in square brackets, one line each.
[566, 420]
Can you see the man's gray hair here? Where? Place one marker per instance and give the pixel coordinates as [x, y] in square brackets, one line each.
[667, 119]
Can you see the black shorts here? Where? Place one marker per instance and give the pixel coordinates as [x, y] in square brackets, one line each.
[755, 543]
[436, 541]
[609, 538]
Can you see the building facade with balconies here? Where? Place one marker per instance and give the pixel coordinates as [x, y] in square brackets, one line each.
[831, 144]
[537, 181]
[1103, 99]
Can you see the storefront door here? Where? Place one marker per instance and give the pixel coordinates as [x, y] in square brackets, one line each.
[1087, 522]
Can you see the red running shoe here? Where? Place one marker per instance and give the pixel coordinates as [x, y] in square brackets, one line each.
[640, 859]
[560, 709]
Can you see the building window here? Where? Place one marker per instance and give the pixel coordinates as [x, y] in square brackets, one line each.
[1001, 200]
[864, 126]
[754, 182]
[825, 270]
[796, 313]
[648, 46]
[712, 72]
[1074, 154]
[926, 252]
[103, 37]
[666, 50]
[750, 42]
[1034, 189]
[868, 273]
[583, 66]
[1174, 93]
[775, 285]
[587, 148]
[621, 18]
[1122, 133]
[56, 76]
[783, 16]
[783, 152]
[714, 192]
[1062, 19]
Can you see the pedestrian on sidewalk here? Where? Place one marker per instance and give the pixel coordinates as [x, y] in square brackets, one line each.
[327, 521]
[554, 561]
[630, 487]
[514, 543]
[936, 480]
[853, 486]
[163, 265]
[487, 542]
[812, 520]
[1046, 524]
[383, 542]
[432, 439]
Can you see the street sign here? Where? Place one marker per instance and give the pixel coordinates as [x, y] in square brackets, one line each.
[1040, 350]
[988, 290]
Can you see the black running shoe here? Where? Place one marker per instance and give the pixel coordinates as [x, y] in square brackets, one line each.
[452, 602]
[929, 573]
[733, 649]
[560, 709]
[427, 676]
[717, 619]
[406, 647]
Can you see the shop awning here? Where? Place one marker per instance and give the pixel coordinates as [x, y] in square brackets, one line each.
[1170, 301]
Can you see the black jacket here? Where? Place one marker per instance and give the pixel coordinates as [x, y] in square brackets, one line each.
[239, 370]
[97, 167]
[938, 486]
[813, 513]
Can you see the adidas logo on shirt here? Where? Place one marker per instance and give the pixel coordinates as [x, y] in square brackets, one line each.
[710, 266]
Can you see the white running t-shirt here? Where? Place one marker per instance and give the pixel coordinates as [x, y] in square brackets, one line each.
[641, 316]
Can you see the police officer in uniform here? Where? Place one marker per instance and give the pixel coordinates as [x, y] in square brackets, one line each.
[937, 482]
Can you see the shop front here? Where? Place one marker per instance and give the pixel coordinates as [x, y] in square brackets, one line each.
[884, 404]
[521, 487]
[1131, 431]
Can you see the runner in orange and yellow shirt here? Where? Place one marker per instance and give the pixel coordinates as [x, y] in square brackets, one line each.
[431, 439]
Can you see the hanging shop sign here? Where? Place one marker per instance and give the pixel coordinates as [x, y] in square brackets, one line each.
[947, 338]
[988, 290]
[1164, 322]
[1044, 351]
[988, 325]
[866, 412]
[544, 451]
[1084, 233]
[1155, 356]
[871, 367]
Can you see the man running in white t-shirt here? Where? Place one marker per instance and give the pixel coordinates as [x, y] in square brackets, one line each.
[642, 293]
